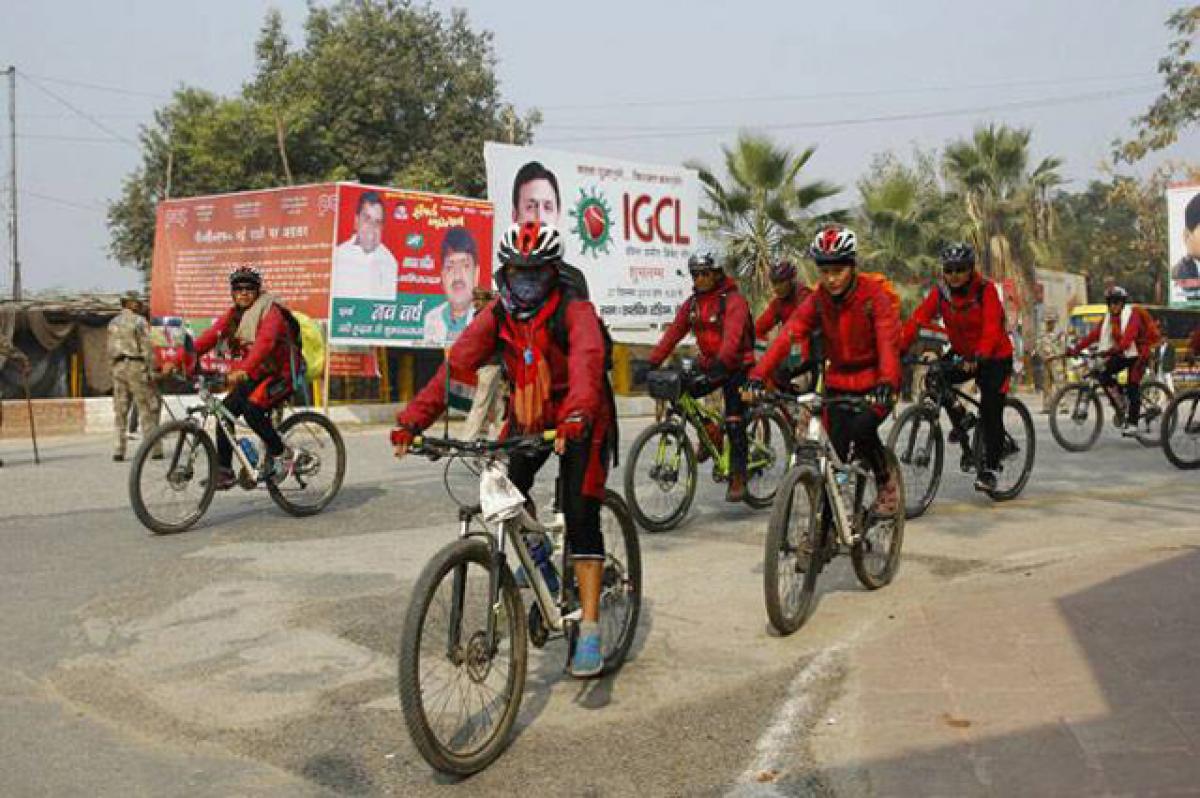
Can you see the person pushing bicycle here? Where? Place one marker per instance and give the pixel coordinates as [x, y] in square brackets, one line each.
[259, 334]
[719, 317]
[858, 317]
[973, 316]
[552, 347]
[1123, 344]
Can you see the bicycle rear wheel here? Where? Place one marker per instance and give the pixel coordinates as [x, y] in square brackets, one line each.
[916, 438]
[621, 585]
[320, 464]
[660, 476]
[1016, 459]
[795, 534]
[1181, 430]
[1076, 417]
[769, 445]
[171, 494]
[1156, 397]
[876, 556]
[459, 698]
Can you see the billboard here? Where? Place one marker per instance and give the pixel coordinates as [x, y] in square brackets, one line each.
[629, 227]
[404, 266]
[286, 233]
[1183, 245]
[1060, 292]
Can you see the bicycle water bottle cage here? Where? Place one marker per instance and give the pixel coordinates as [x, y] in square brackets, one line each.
[498, 496]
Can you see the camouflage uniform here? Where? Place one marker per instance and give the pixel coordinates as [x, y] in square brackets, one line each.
[132, 357]
[9, 351]
[1050, 345]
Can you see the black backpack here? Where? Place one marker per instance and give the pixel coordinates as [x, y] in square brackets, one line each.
[557, 326]
[298, 367]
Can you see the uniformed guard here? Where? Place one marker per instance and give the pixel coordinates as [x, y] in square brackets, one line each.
[131, 354]
[8, 350]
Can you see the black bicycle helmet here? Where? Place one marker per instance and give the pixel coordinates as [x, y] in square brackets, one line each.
[246, 277]
[958, 253]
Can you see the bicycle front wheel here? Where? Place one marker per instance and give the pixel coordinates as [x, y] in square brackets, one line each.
[660, 476]
[460, 694]
[621, 585]
[769, 445]
[1076, 417]
[171, 494]
[876, 555]
[1181, 430]
[1156, 397]
[320, 464]
[916, 438]
[790, 566]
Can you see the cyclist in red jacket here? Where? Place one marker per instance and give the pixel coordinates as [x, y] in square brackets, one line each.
[859, 322]
[549, 388]
[789, 294]
[1120, 338]
[973, 317]
[719, 317]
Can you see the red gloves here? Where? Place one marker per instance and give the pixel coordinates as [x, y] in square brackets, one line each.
[573, 428]
[402, 436]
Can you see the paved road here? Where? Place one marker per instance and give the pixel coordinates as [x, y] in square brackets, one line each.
[1046, 646]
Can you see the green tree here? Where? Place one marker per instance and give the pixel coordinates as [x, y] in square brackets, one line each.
[381, 91]
[763, 211]
[1178, 107]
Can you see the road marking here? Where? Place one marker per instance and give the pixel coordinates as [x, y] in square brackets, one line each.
[796, 712]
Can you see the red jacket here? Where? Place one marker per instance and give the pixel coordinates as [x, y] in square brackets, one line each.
[726, 341]
[1124, 338]
[266, 357]
[779, 311]
[974, 320]
[860, 333]
[576, 376]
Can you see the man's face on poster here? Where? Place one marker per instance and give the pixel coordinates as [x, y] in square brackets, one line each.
[536, 202]
[1191, 241]
[458, 279]
[368, 226]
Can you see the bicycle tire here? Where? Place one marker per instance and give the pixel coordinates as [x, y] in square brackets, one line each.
[873, 580]
[1156, 398]
[800, 491]
[768, 416]
[281, 497]
[1009, 493]
[439, 755]
[614, 658]
[672, 519]
[137, 499]
[920, 498]
[1184, 407]
[1097, 411]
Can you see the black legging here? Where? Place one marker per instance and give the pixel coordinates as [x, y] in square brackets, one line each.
[990, 376]
[1133, 383]
[238, 403]
[581, 513]
[735, 418]
[848, 424]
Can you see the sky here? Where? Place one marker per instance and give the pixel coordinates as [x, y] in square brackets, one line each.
[659, 82]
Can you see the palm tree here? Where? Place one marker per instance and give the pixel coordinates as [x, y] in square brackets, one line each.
[764, 211]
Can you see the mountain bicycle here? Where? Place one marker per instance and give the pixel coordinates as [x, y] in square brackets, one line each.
[916, 438]
[1181, 430]
[823, 508]
[171, 493]
[661, 475]
[463, 648]
[1077, 416]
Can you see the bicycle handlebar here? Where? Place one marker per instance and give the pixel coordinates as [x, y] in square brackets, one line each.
[434, 448]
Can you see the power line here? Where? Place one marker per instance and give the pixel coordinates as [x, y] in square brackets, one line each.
[84, 114]
[868, 120]
[837, 94]
[60, 201]
[82, 139]
[98, 87]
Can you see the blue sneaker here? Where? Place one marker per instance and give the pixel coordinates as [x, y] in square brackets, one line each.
[588, 661]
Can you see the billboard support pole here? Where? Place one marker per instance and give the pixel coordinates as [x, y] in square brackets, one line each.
[12, 182]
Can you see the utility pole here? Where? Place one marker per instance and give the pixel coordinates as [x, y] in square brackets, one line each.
[12, 181]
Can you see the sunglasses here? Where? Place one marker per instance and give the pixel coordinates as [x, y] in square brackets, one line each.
[833, 268]
[243, 289]
[956, 269]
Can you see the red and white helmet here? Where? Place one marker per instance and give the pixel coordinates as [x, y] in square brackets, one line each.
[834, 244]
[530, 245]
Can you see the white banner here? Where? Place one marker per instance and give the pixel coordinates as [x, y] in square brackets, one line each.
[1183, 245]
[629, 227]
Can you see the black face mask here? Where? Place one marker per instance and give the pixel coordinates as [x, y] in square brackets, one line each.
[526, 290]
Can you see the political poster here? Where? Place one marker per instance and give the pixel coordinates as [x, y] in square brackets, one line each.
[1183, 244]
[405, 266]
[286, 233]
[629, 227]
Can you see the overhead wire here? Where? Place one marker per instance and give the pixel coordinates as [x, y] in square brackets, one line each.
[78, 111]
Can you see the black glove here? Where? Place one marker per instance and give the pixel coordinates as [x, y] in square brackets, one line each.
[882, 395]
[640, 369]
[700, 385]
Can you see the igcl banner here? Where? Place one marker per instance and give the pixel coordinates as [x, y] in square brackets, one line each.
[629, 227]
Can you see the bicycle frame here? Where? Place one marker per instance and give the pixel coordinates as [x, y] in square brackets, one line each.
[816, 450]
[692, 412]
